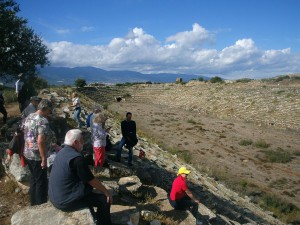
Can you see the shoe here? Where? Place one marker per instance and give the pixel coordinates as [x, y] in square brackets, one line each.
[130, 164]
[118, 160]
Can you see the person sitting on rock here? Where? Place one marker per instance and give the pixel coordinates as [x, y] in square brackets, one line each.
[71, 182]
[128, 129]
[181, 198]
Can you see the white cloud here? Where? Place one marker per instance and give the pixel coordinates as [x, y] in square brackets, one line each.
[86, 29]
[184, 52]
[62, 31]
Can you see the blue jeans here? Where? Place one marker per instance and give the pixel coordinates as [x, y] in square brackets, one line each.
[76, 117]
[121, 144]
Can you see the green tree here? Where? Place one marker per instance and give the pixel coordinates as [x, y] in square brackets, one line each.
[216, 80]
[21, 50]
[79, 83]
[40, 83]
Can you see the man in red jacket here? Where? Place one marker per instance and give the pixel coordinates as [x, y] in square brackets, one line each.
[181, 198]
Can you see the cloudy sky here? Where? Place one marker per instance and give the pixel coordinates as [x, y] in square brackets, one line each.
[229, 38]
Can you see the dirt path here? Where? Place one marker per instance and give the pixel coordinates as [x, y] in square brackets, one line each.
[213, 146]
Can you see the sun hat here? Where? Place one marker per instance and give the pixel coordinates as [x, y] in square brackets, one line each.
[183, 170]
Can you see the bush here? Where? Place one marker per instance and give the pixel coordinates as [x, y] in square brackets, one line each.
[216, 80]
[79, 83]
[245, 142]
[40, 83]
[244, 80]
[278, 156]
[9, 95]
[261, 144]
[200, 79]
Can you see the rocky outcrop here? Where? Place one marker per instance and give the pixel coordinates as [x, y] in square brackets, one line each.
[149, 181]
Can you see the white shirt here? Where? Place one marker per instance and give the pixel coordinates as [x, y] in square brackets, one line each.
[19, 85]
[76, 102]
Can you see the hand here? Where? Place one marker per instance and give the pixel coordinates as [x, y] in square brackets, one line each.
[44, 164]
[197, 201]
[109, 198]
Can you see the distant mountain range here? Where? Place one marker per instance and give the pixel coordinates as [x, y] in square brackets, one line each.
[67, 76]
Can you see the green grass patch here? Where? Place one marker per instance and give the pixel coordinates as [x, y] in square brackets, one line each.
[245, 142]
[278, 156]
[9, 96]
[287, 212]
[191, 121]
[261, 144]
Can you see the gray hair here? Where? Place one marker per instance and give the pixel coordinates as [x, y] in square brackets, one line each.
[44, 104]
[72, 136]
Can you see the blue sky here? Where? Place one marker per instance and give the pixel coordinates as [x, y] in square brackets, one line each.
[229, 38]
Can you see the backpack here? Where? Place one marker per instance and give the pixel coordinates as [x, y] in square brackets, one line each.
[88, 120]
[16, 145]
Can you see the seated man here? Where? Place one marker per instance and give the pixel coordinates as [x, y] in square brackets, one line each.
[71, 182]
[181, 198]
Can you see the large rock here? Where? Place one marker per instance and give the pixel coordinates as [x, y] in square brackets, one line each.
[20, 173]
[121, 214]
[46, 214]
[129, 185]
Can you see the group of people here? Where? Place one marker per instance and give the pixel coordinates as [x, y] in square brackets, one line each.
[71, 183]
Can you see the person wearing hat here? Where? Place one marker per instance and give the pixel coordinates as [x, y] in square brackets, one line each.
[2, 108]
[32, 107]
[181, 198]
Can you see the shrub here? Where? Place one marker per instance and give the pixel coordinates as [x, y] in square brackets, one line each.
[244, 80]
[200, 79]
[245, 142]
[9, 95]
[216, 80]
[278, 156]
[261, 144]
[79, 83]
[40, 83]
[191, 121]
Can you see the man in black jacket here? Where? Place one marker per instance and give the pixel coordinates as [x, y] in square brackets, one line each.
[71, 182]
[128, 128]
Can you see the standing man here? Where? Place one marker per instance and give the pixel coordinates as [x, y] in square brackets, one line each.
[71, 182]
[77, 109]
[181, 198]
[20, 92]
[2, 108]
[37, 136]
[128, 128]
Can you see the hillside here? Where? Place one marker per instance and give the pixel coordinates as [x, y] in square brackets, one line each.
[245, 135]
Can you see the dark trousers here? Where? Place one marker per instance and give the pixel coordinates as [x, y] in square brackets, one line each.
[38, 182]
[3, 111]
[102, 215]
[185, 203]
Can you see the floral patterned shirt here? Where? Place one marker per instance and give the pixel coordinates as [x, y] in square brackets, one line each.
[35, 125]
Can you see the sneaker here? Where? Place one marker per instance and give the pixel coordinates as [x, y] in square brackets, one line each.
[130, 164]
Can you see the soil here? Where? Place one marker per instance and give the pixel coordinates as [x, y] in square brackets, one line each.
[213, 147]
